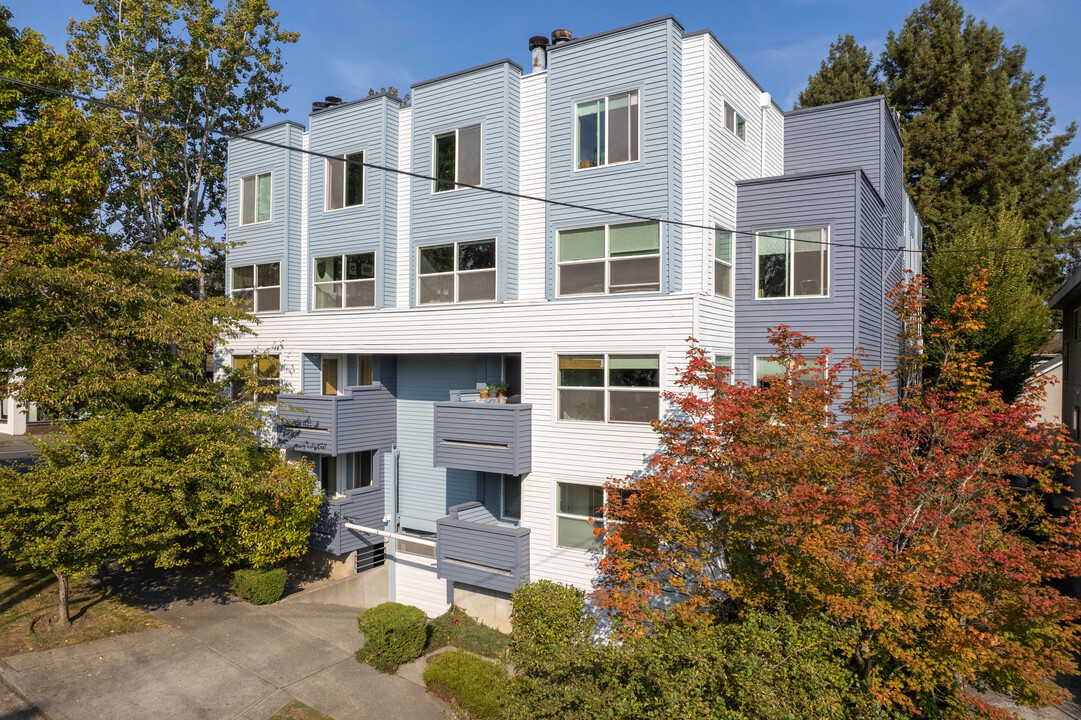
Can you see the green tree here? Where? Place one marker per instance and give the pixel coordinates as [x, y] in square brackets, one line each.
[1016, 322]
[847, 74]
[207, 68]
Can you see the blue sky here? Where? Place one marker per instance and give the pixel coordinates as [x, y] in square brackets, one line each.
[347, 46]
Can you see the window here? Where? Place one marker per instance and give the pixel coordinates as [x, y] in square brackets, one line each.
[456, 272]
[349, 471]
[577, 504]
[328, 475]
[258, 287]
[344, 281]
[607, 130]
[360, 470]
[722, 263]
[767, 371]
[725, 361]
[734, 122]
[512, 497]
[793, 263]
[255, 199]
[619, 388]
[267, 378]
[345, 181]
[610, 259]
[456, 159]
[1077, 324]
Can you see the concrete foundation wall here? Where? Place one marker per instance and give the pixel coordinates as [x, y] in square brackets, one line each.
[488, 606]
[359, 590]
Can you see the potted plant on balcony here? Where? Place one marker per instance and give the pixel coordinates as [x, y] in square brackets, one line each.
[484, 393]
[499, 390]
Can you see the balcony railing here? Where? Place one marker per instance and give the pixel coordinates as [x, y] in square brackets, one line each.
[362, 417]
[474, 548]
[485, 436]
[361, 507]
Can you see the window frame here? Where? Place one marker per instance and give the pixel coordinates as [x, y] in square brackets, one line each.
[503, 498]
[575, 161]
[824, 245]
[739, 123]
[731, 364]
[374, 280]
[600, 520]
[256, 287]
[270, 202]
[255, 398]
[606, 388]
[728, 265]
[345, 180]
[756, 380]
[457, 160]
[607, 260]
[456, 272]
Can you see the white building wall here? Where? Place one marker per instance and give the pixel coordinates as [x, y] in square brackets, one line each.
[532, 165]
[405, 161]
[696, 138]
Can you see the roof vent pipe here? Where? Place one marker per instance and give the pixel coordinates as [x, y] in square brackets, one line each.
[538, 47]
[333, 100]
[561, 35]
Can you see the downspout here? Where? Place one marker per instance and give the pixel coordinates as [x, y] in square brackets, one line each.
[763, 105]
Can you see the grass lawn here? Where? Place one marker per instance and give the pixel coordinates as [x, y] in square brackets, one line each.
[456, 628]
[28, 607]
[297, 710]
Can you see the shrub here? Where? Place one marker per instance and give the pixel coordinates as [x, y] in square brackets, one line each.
[393, 634]
[475, 684]
[455, 627]
[546, 617]
[259, 587]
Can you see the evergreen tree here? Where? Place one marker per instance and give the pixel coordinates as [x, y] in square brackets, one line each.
[848, 74]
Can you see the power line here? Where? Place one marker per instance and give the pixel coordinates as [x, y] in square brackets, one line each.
[507, 193]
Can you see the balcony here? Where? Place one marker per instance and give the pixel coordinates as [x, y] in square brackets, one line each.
[361, 507]
[484, 436]
[474, 548]
[362, 417]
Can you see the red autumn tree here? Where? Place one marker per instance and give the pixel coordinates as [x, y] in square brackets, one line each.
[918, 520]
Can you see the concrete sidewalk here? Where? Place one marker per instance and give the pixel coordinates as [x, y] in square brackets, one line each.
[220, 660]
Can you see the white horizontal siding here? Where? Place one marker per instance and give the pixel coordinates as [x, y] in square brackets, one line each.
[416, 584]
[531, 266]
[696, 134]
[405, 155]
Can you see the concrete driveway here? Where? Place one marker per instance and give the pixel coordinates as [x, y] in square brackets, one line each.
[219, 659]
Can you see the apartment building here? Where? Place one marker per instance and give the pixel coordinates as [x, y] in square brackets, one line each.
[679, 201]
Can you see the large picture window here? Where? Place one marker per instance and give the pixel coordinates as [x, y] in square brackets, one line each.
[456, 272]
[609, 259]
[608, 388]
[255, 199]
[456, 158]
[344, 281]
[722, 263]
[792, 263]
[258, 287]
[263, 372]
[345, 181]
[606, 130]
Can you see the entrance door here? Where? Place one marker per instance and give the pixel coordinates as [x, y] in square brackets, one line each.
[330, 376]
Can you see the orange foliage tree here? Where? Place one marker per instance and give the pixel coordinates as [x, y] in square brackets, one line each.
[913, 513]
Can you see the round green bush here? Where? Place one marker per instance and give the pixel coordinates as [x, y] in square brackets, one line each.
[259, 587]
[477, 685]
[393, 634]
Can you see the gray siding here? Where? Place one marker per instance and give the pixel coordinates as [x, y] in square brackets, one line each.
[869, 332]
[370, 126]
[489, 97]
[503, 428]
[646, 58]
[471, 549]
[362, 507]
[836, 137]
[268, 241]
[311, 374]
[362, 418]
[822, 199]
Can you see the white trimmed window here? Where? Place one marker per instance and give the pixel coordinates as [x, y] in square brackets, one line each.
[792, 262]
[255, 199]
[345, 181]
[512, 497]
[344, 281]
[722, 263]
[606, 130]
[725, 361]
[734, 122]
[576, 505]
[258, 287]
[767, 370]
[609, 259]
[456, 158]
[266, 369]
[339, 474]
[459, 272]
[609, 388]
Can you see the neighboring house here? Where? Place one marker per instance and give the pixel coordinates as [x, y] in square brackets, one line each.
[1068, 300]
[19, 419]
[387, 300]
[1047, 372]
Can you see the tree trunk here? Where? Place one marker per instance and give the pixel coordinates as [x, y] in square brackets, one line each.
[62, 582]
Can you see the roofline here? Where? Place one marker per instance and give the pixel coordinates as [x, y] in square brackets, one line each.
[801, 176]
[1048, 367]
[350, 103]
[874, 98]
[604, 33]
[734, 59]
[485, 66]
[1067, 292]
[261, 128]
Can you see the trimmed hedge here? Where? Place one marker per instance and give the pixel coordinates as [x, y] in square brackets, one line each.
[260, 587]
[393, 634]
[477, 685]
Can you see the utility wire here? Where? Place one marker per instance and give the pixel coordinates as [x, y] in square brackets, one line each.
[507, 193]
